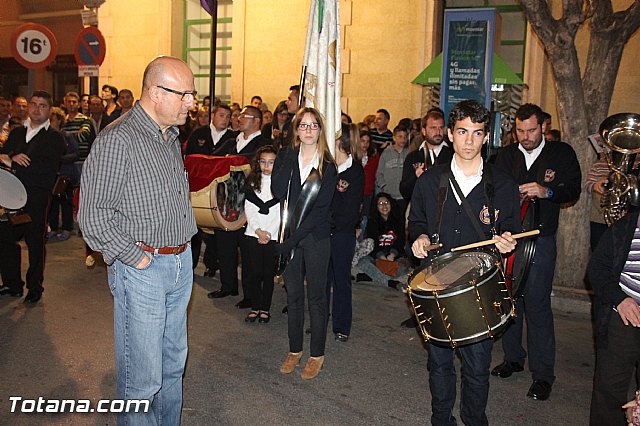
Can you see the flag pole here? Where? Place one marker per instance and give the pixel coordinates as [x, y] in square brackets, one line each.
[213, 9]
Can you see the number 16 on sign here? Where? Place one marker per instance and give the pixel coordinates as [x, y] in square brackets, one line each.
[34, 45]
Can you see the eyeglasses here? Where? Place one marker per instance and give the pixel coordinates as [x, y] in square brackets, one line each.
[189, 95]
[383, 203]
[308, 126]
[246, 116]
[266, 162]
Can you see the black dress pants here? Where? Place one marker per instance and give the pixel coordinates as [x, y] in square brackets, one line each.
[34, 235]
[261, 270]
[210, 258]
[310, 261]
[228, 243]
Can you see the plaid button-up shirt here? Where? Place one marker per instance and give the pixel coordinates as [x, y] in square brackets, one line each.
[134, 188]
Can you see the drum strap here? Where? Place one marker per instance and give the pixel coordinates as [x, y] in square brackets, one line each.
[442, 198]
[489, 192]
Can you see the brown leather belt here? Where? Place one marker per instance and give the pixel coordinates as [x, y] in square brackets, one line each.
[164, 250]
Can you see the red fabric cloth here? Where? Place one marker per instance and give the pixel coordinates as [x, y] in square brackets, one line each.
[204, 169]
[370, 173]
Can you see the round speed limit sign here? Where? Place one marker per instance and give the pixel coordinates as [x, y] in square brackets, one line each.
[34, 45]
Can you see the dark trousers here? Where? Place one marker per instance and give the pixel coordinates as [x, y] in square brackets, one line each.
[597, 229]
[261, 263]
[474, 391]
[535, 307]
[615, 365]
[62, 203]
[34, 235]
[228, 243]
[310, 261]
[210, 258]
[343, 245]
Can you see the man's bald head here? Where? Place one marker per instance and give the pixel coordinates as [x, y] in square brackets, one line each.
[168, 91]
[161, 70]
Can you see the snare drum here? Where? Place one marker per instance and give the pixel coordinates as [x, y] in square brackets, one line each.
[460, 298]
[218, 204]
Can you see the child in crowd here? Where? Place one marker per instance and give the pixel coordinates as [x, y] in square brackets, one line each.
[263, 220]
[389, 172]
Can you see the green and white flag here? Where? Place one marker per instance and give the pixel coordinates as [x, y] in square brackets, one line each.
[322, 88]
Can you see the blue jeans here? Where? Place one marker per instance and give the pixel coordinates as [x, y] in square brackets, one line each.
[150, 333]
[474, 389]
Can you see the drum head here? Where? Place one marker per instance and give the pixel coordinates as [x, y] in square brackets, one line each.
[519, 263]
[13, 195]
[229, 201]
[450, 270]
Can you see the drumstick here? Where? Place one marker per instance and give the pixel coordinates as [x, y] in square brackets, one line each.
[432, 247]
[492, 241]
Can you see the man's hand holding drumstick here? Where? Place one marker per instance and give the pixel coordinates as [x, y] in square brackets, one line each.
[422, 246]
[505, 243]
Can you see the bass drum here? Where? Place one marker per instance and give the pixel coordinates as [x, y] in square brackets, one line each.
[518, 264]
[460, 298]
[220, 204]
[13, 195]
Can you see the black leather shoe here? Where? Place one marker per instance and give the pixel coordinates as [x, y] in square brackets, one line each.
[341, 337]
[9, 292]
[409, 323]
[32, 297]
[221, 293]
[243, 304]
[539, 390]
[209, 272]
[506, 369]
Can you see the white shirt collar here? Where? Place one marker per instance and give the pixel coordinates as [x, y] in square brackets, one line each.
[31, 132]
[433, 152]
[241, 142]
[215, 134]
[466, 183]
[305, 171]
[347, 163]
[530, 158]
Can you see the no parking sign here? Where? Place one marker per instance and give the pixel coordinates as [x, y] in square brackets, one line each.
[90, 47]
[33, 45]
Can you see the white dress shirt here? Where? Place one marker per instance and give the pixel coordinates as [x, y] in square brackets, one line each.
[466, 183]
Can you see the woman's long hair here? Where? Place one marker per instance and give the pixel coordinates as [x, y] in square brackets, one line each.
[254, 180]
[349, 141]
[281, 107]
[323, 149]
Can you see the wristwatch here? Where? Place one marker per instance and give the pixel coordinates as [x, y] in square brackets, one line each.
[549, 192]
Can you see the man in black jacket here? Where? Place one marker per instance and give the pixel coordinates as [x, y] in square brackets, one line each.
[550, 173]
[210, 140]
[434, 150]
[33, 153]
[246, 143]
[616, 282]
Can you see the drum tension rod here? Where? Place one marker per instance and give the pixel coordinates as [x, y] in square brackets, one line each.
[481, 307]
[445, 320]
[415, 308]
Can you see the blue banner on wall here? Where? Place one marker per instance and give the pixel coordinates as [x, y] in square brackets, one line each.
[467, 56]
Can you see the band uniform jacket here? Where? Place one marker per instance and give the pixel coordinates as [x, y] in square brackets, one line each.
[456, 228]
[411, 163]
[556, 167]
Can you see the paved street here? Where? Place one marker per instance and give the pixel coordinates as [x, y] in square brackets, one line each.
[63, 348]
